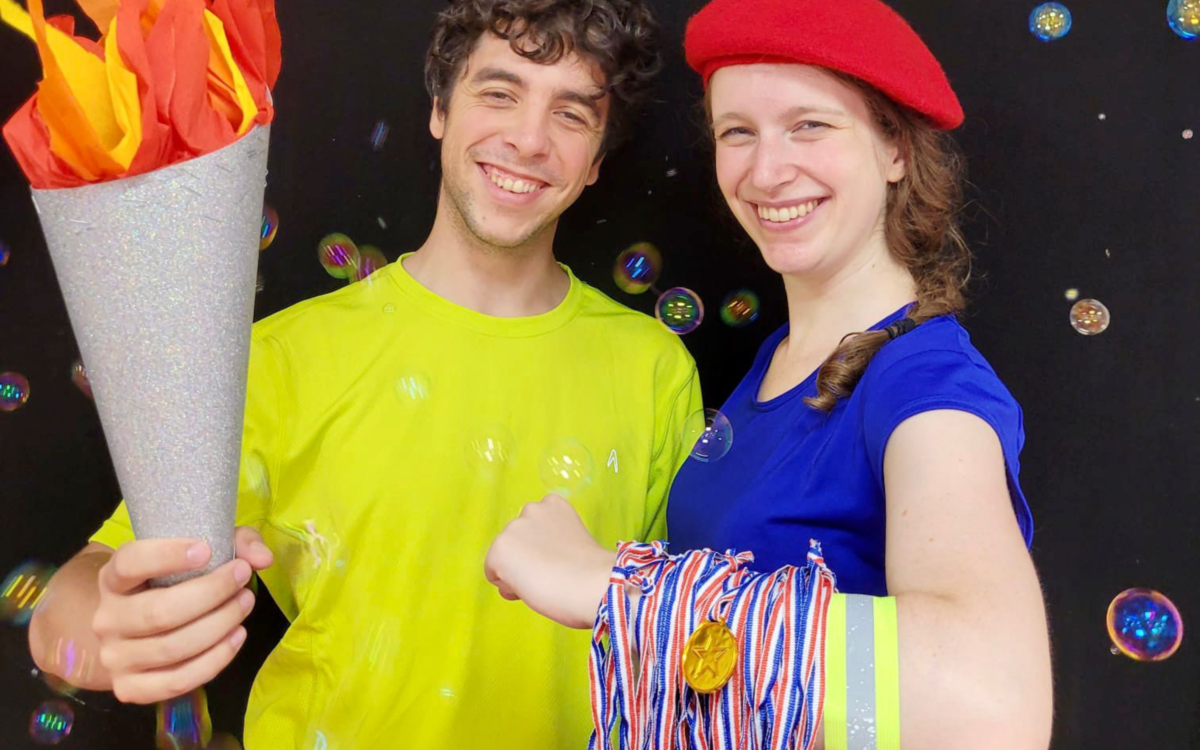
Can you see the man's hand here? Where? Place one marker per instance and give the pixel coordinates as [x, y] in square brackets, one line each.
[159, 643]
[547, 559]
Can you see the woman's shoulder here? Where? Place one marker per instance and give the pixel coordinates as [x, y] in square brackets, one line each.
[935, 358]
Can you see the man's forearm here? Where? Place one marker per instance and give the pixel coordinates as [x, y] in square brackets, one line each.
[61, 640]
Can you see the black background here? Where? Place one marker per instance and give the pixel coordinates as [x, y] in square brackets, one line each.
[1060, 198]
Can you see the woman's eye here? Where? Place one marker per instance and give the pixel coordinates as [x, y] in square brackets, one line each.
[732, 133]
[811, 125]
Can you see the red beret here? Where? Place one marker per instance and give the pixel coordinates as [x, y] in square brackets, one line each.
[863, 38]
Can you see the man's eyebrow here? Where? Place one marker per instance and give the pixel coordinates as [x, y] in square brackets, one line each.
[590, 101]
[492, 73]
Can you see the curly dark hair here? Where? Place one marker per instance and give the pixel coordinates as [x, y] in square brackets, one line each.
[618, 35]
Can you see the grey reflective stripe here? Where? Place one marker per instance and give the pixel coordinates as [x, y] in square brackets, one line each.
[860, 672]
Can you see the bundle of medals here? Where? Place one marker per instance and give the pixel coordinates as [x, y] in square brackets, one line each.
[708, 654]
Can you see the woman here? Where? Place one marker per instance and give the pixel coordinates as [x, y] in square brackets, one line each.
[869, 421]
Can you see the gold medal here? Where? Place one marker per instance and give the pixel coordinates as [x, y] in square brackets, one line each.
[710, 657]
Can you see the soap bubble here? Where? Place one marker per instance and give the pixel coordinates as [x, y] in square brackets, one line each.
[637, 268]
[339, 255]
[680, 310]
[710, 435]
[1050, 21]
[1144, 625]
[566, 467]
[1089, 317]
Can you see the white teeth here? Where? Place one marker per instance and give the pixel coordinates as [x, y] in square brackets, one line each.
[518, 186]
[781, 215]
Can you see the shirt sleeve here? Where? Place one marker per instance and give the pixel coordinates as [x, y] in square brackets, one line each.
[677, 404]
[944, 379]
[261, 431]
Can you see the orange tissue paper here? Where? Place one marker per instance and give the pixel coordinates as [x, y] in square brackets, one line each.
[168, 80]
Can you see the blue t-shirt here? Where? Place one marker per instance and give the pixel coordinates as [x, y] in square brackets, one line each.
[794, 473]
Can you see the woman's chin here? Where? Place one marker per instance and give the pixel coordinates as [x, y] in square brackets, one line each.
[790, 259]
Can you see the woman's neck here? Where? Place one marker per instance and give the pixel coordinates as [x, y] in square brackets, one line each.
[821, 311]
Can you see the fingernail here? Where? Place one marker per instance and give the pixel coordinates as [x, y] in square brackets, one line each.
[238, 637]
[260, 549]
[241, 572]
[246, 600]
[197, 553]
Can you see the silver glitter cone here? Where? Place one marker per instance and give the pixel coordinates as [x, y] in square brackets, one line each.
[158, 273]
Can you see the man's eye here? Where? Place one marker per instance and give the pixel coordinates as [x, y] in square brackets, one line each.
[498, 96]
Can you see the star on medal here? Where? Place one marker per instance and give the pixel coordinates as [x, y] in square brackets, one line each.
[709, 658]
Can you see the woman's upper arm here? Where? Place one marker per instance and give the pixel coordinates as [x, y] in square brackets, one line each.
[950, 521]
[975, 655]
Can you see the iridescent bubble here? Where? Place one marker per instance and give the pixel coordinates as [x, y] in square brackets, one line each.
[680, 310]
[51, 722]
[79, 377]
[412, 389]
[1071, 294]
[370, 260]
[740, 308]
[566, 467]
[70, 659]
[339, 255]
[1144, 625]
[379, 135]
[1089, 317]
[490, 450]
[637, 268]
[1050, 21]
[710, 433]
[14, 391]
[183, 723]
[1184, 18]
[23, 590]
[5, 253]
[270, 227]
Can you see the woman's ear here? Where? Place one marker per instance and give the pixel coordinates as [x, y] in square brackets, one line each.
[896, 167]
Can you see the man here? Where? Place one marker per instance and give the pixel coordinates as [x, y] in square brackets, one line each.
[393, 428]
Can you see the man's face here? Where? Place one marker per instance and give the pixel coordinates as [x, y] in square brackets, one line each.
[520, 141]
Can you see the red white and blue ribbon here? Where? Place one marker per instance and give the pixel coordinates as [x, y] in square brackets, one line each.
[773, 700]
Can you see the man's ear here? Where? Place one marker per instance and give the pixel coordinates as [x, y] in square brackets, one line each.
[594, 172]
[437, 120]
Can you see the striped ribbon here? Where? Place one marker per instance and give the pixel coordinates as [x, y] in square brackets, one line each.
[773, 701]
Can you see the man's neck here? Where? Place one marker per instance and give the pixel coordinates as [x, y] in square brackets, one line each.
[502, 282]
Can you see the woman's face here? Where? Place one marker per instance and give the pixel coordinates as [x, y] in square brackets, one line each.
[802, 166]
